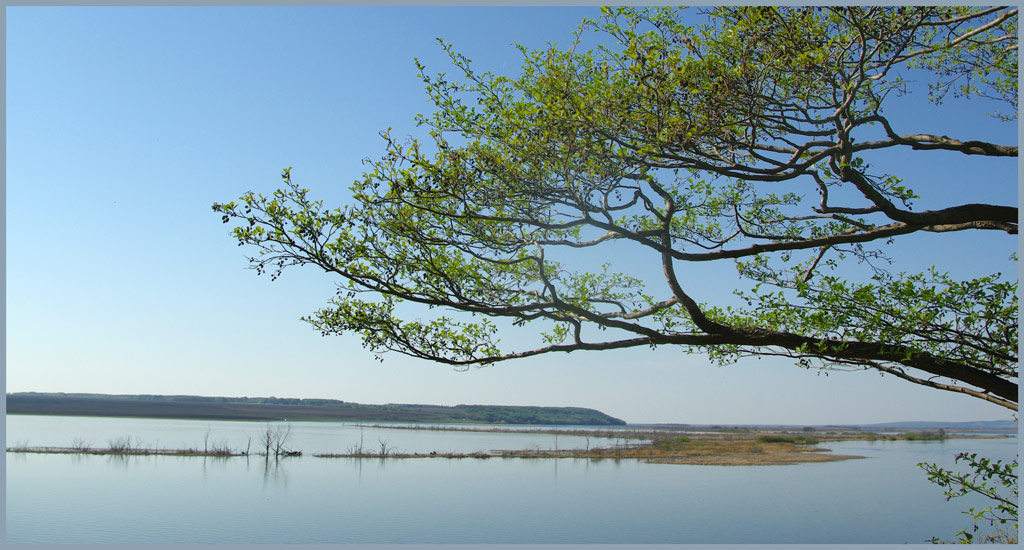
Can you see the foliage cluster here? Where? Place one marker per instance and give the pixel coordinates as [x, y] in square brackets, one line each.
[750, 139]
[993, 479]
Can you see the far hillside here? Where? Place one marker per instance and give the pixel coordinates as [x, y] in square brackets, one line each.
[275, 408]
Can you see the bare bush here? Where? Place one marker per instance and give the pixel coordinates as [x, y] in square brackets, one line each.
[274, 441]
[385, 447]
[267, 440]
[220, 449]
[358, 450]
[281, 438]
[124, 445]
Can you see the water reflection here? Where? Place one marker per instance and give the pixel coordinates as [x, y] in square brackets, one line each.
[120, 460]
[309, 437]
[274, 474]
[83, 498]
[220, 463]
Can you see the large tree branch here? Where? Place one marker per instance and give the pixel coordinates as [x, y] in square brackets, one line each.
[924, 142]
[966, 213]
[1009, 404]
[901, 373]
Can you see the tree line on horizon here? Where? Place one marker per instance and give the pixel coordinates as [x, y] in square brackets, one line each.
[184, 406]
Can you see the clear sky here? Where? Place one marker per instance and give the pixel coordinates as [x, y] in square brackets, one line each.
[125, 124]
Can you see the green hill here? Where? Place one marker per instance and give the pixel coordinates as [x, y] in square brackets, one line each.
[276, 408]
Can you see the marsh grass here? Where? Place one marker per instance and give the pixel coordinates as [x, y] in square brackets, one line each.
[676, 449]
[124, 445]
[674, 443]
[721, 448]
[127, 446]
[925, 436]
[939, 435]
[795, 440]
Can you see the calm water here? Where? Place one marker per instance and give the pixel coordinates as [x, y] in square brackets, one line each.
[96, 499]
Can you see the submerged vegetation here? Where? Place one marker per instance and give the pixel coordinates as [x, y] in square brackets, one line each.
[723, 447]
[120, 450]
[274, 442]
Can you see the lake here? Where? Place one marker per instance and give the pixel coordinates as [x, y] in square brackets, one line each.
[884, 498]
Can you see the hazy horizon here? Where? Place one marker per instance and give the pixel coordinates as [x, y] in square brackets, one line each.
[628, 422]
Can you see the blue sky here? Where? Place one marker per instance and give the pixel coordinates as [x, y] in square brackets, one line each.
[125, 124]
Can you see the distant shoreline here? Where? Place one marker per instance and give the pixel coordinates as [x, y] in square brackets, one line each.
[272, 409]
[281, 409]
